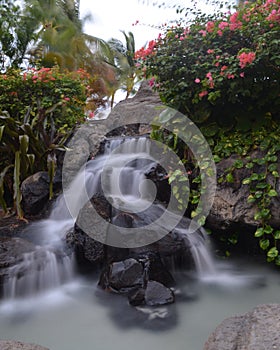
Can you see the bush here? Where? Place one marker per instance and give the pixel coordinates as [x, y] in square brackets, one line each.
[39, 109]
[223, 68]
[223, 72]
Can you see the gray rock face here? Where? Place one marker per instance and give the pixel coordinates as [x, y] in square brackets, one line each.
[255, 330]
[230, 207]
[17, 345]
[86, 142]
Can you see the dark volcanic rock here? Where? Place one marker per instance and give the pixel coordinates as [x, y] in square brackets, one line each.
[35, 192]
[157, 294]
[127, 274]
[12, 251]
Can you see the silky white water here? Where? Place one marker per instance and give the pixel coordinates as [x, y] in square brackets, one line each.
[80, 316]
[71, 313]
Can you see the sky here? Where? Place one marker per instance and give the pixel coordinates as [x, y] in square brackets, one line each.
[112, 16]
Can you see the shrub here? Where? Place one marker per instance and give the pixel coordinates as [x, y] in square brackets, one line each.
[39, 109]
[223, 68]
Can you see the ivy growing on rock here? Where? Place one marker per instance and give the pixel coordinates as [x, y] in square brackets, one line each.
[223, 72]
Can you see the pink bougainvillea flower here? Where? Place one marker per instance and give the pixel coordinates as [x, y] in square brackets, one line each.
[197, 80]
[203, 32]
[223, 25]
[230, 76]
[242, 74]
[203, 93]
[246, 58]
[210, 26]
[209, 51]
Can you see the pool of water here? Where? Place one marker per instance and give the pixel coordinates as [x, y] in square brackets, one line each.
[81, 316]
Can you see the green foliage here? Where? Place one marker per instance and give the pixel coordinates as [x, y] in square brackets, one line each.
[14, 39]
[223, 72]
[40, 109]
[222, 68]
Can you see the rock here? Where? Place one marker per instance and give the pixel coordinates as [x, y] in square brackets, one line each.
[35, 192]
[157, 294]
[12, 250]
[17, 345]
[125, 275]
[136, 297]
[256, 330]
[125, 118]
[230, 208]
[89, 252]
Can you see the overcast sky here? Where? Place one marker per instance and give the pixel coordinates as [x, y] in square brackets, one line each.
[111, 16]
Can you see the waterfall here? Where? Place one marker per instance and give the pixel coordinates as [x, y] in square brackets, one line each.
[38, 271]
[122, 175]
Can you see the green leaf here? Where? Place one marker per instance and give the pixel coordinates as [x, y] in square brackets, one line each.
[166, 115]
[246, 181]
[251, 199]
[268, 229]
[201, 220]
[17, 192]
[238, 164]
[272, 193]
[230, 178]
[2, 127]
[259, 232]
[262, 185]
[249, 165]
[264, 243]
[276, 234]
[272, 253]
[216, 158]
[254, 177]
[24, 143]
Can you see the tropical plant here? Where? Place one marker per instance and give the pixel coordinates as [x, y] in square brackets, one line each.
[39, 110]
[222, 67]
[16, 32]
[59, 34]
[223, 72]
[120, 57]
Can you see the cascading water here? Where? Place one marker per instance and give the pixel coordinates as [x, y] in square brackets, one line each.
[128, 191]
[87, 316]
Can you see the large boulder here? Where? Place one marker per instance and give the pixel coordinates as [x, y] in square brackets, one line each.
[18, 345]
[230, 205]
[257, 329]
[35, 192]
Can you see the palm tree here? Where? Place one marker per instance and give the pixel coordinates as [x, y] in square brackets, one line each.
[120, 57]
[59, 33]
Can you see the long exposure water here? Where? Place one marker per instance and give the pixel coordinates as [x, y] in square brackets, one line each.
[80, 316]
[70, 312]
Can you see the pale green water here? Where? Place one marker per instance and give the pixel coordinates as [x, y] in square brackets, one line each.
[81, 317]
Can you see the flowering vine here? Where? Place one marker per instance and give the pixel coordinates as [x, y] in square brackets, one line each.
[224, 58]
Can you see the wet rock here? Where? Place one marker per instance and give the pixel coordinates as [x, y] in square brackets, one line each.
[136, 297]
[157, 294]
[256, 330]
[12, 251]
[35, 192]
[17, 345]
[89, 252]
[125, 275]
